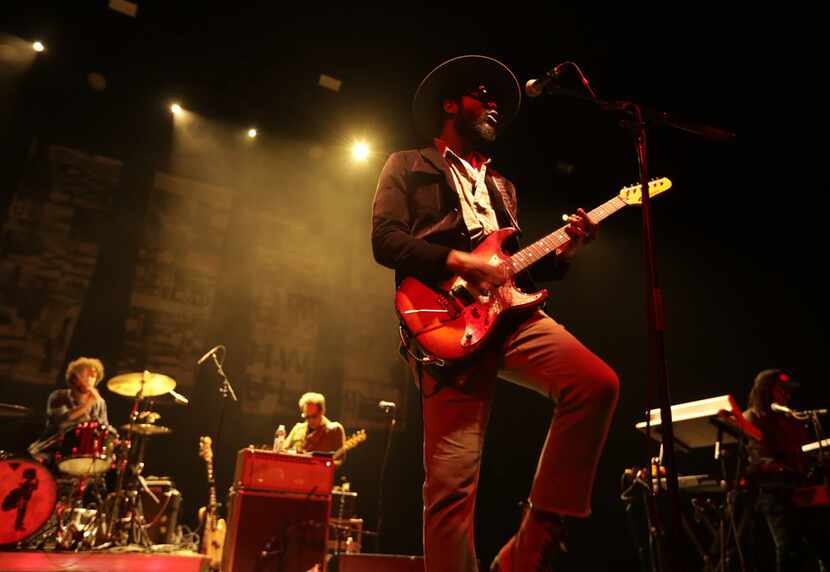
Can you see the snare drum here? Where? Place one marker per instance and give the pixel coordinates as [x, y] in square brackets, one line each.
[28, 495]
[87, 448]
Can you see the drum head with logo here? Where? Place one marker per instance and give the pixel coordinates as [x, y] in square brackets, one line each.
[27, 498]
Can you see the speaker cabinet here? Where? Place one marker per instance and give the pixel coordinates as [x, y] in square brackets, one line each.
[269, 531]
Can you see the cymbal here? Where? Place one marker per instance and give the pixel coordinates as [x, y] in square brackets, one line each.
[129, 384]
[10, 410]
[147, 429]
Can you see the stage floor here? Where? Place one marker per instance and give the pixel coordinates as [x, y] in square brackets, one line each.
[39, 561]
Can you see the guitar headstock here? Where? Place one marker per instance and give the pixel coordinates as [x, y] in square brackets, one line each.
[205, 448]
[354, 440]
[633, 195]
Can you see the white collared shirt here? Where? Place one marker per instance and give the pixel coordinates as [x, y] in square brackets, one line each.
[478, 213]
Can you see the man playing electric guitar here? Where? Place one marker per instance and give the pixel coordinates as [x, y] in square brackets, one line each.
[317, 432]
[432, 207]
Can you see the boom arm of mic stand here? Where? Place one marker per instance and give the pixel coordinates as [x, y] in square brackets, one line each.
[226, 384]
[654, 117]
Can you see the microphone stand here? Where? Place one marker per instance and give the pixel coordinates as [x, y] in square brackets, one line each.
[819, 431]
[637, 122]
[390, 412]
[225, 390]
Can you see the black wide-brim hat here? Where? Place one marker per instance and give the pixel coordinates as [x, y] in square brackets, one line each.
[458, 75]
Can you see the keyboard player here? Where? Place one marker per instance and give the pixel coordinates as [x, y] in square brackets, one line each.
[780, 468]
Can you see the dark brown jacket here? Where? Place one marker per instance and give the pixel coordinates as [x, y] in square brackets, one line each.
[417, 219]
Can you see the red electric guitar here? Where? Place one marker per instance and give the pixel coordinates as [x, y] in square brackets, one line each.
[451, 320]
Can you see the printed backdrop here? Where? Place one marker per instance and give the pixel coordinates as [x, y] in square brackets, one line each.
[50, 246]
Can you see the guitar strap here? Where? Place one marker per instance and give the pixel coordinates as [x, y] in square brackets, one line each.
[506, 201]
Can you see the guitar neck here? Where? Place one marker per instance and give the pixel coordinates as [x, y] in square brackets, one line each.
[529, 255]
[212, 490]
[350, 443]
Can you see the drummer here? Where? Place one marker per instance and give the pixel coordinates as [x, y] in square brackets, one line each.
[81, 401]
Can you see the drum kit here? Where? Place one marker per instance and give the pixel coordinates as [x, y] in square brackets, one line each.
[81, 488]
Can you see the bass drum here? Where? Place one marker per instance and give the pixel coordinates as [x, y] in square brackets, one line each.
[27, 498]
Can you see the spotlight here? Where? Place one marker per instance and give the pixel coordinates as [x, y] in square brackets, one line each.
[251, 133]
[38, 47]
[176, 108]
[360, 151]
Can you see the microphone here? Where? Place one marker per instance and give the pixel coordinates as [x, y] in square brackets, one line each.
[536, 87]
[210, 353]
[386, 404]
[781, 409]
[797, 414]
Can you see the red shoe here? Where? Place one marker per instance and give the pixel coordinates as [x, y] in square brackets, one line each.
[532, 548]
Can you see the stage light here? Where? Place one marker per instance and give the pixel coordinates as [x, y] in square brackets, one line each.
[38, 47]
[251, 133]
[176, 108]
[330, 83]
[360, 151]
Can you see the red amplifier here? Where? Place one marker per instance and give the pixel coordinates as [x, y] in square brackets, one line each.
[261, 469]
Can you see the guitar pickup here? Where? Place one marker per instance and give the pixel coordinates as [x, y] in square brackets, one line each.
[460, 293]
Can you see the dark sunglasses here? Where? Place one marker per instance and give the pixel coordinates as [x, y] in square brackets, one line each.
[481, 94]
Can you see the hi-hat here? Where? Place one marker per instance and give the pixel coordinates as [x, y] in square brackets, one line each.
[130, 384]
[147, 429]
[10, 410]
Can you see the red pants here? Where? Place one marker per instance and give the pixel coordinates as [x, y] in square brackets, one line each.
[538, 354]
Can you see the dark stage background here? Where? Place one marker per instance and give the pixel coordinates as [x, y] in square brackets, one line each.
[145, 240]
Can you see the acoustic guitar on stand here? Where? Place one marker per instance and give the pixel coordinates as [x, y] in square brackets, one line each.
[213, 535]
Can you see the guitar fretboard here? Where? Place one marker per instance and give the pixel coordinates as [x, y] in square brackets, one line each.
[529, 255]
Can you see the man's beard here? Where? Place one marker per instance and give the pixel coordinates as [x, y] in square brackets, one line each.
[480, 131]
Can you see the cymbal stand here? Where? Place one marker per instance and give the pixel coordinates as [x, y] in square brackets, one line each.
[136, 515]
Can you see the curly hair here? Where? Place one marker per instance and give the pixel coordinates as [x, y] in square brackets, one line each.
[76, 366]
[314, 398]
